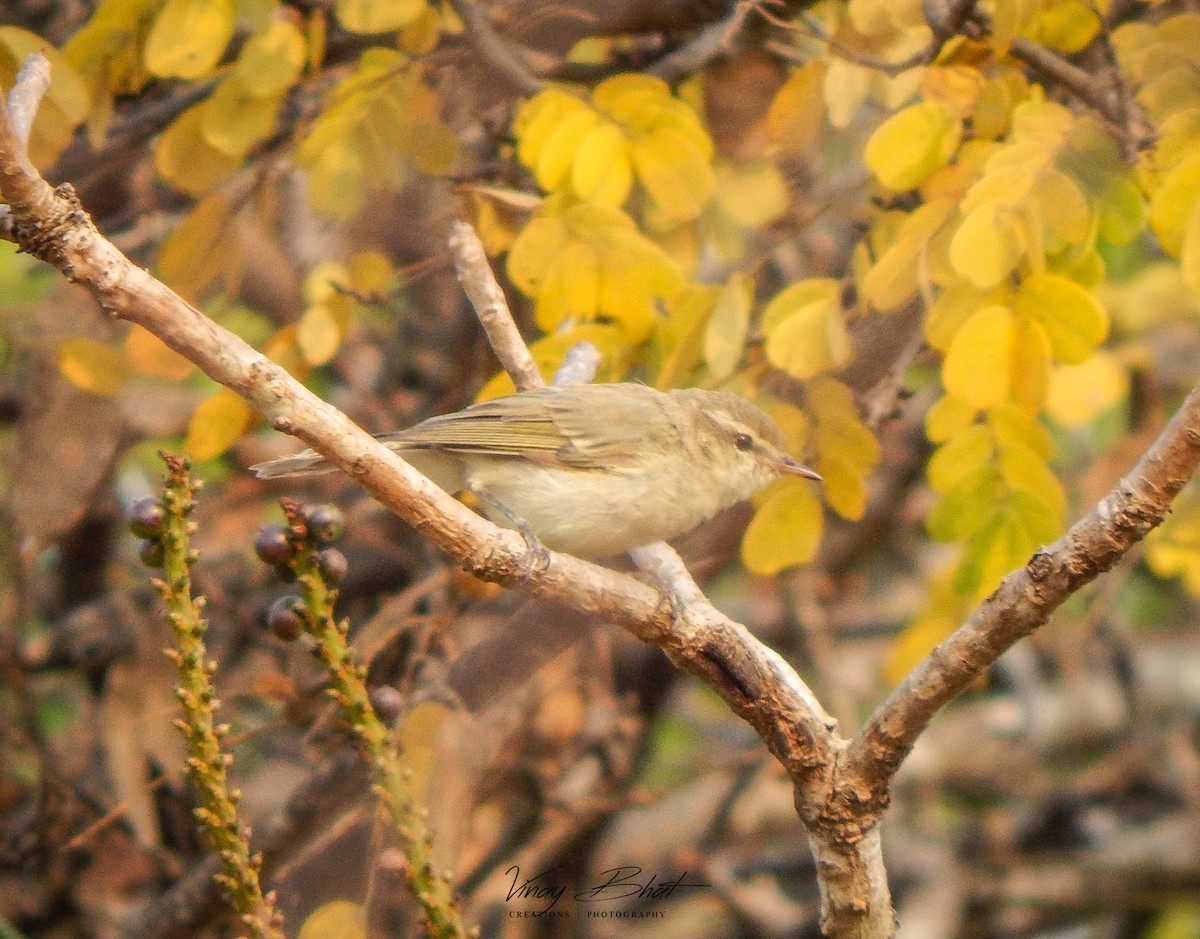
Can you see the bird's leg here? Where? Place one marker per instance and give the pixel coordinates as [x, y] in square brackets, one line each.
[537, 558]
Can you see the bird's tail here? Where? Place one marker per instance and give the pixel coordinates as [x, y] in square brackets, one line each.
[304, 463]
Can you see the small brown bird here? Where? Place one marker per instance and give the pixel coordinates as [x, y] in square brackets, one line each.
[593, 470]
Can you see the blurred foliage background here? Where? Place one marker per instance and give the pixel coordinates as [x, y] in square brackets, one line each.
[952, 247]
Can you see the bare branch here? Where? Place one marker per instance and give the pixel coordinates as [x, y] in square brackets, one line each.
[1027, 597]
[479, 284]
[579, 365]
[505, 57]
[1125, 117]
[29, 87]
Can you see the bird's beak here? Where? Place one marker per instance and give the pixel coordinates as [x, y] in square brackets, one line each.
[790, 467]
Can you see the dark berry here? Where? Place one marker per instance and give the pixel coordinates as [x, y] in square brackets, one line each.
[272, 546]
[387, 702]
[325, 523]
[147, 518]
[151, 552]
[285, 618]
[333, 565]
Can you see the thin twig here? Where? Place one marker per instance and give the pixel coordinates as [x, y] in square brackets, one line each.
[30, 86]
[480, 285]
[506, 57]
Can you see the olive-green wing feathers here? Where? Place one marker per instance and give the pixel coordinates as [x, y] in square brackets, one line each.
[585, 426]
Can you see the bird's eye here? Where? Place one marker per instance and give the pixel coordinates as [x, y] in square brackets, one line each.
[743, 441]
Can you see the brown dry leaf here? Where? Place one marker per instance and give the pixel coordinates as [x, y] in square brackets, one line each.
[67, 438]
[137, 709]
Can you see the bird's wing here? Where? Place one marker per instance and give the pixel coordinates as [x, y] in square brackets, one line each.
[580, 425]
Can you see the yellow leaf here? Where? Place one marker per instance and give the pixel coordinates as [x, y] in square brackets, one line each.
[812, 340]
[318, 334]
[988, 245]
[954, 306]
[846, 87]
[790, 419]
[978, 366]
[785, 531]
[91, 366]
[679, 335]
[186, 160]
[966, 507]
[417, 737]
[216, 424]
[271, 61]
[968, 451]
[189, 37]
[1022, 469]
[335, 175]
[956, 86]
[420, 37]
[753, 193]
[537, 120]
[324, 281]
[202, 248]
[602, 171]
[377, 16]
[571, 287]
[992, 117]
[798, 295]
[844, 486]
[1030, 365]
[1081, 393]
[148, 355]
[337, 919]
[1173, 203]
[557, 155]
[534, 250]
[1074, 321]
[233, 119]
[1064, 206]
[1066, 26]
[370, 272]
[944, 612]
[912, 144]
[1012, 426]
[1123, 211]
[946, 418]
[725, 334]
[65, 103]
[622, 94]
[1171, 549]
[1189, 252]
[797, 113]
[677, 175]
[897, 275]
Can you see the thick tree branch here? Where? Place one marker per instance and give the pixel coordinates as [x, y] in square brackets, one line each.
[1027, 597]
